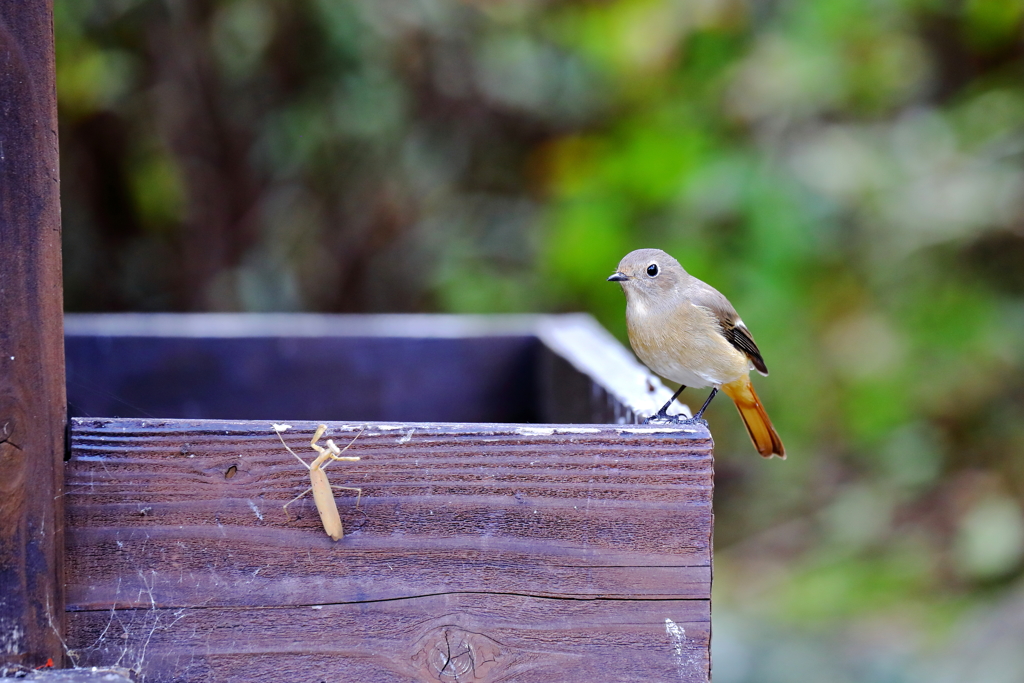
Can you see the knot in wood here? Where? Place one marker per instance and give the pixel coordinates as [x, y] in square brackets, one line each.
[452, 653]
[11, 413]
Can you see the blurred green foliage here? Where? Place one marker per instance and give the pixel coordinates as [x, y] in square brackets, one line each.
[849, 172]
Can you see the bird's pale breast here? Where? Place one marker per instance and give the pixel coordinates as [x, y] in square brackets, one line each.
[684, 345]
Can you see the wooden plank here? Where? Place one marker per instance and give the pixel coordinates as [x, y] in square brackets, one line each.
[32, 406]
[355, 378]
[455, 636]
[540, 546]
[303, 366]
[501, 368]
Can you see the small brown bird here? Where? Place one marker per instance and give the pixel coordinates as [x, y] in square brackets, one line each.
[688, 332]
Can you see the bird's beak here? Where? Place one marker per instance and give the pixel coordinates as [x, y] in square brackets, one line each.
[617, 277]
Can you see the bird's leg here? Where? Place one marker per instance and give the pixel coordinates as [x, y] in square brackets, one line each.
[663, 413]
[664, 409]
[699, 417]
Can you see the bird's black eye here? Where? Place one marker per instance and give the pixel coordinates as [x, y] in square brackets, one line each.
[652, 270]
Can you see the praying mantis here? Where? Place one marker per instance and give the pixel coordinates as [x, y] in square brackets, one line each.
[319, 485]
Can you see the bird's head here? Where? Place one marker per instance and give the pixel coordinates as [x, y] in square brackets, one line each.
[648, 275]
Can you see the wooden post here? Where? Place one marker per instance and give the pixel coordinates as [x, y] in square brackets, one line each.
[32, 403]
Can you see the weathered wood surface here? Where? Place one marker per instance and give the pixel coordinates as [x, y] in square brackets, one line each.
[443, 368]
[32, 406]
[451, 637]
[478, 552]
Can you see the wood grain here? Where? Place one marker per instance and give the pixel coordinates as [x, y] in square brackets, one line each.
[455, 637]
[536, 551]
[32, 405]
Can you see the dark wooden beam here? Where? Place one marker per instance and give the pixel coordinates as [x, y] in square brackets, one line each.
[308, 367]
[394, 367]
[478, 552]
[32, 405]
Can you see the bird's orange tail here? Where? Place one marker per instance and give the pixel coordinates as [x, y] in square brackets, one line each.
[766, 440]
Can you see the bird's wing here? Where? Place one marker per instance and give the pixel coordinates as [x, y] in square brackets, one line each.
[730, 325]
[739, 336]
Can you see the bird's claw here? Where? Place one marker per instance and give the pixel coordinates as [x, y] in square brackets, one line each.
[674, 419]
[663, 418]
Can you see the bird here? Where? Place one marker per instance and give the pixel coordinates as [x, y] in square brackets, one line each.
[687, 331]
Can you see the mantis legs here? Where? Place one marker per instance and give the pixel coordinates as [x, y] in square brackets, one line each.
[319, 484]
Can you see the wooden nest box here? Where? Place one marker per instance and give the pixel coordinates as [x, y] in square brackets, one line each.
[517, 536]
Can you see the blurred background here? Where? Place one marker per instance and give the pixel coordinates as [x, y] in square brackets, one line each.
[850, 173]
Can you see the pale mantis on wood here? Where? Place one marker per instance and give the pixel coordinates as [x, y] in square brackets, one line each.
[319, 485]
